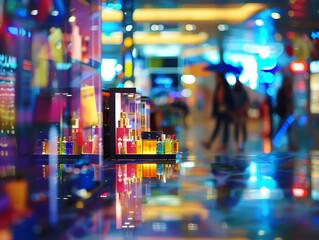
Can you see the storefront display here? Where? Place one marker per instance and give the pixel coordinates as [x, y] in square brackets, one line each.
[129, 132]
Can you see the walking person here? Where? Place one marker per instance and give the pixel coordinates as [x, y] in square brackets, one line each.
[285, 109]
[222, 108]
[241, 105]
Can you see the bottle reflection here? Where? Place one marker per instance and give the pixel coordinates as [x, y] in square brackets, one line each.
[128, 196]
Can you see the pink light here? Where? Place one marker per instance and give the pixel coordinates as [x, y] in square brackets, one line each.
[298, 192]
[298, 66]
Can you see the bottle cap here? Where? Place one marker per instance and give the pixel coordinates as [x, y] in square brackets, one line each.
[163, 136]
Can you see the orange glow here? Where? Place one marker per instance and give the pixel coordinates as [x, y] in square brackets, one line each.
[197, 70]
[234, 14]
[141, 38]
[267, 145]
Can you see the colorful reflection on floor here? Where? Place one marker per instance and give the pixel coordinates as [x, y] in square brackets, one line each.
[262, 196]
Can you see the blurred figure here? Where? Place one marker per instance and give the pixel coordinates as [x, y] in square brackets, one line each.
[182, 108]
[222, 109]
[241, 105]
[285, 108]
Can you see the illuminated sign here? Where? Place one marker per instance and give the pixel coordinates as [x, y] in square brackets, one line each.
[315, 35]
[314, 66]
[7, 61]
[298, 66]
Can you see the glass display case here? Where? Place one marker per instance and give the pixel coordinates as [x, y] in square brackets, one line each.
[145, 114]
[127, 130]
[50, 91]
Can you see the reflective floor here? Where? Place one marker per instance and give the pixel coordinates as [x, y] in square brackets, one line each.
[206, 195]
[257, 196]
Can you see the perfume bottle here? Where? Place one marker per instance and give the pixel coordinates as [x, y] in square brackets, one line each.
[69, 146]
[159, 146]
[58, 146]
[119, 145]
[139, 146]
[153, 146]
[95, 141]
[168, 145]
[131, 146]
[175, 144]
[87, 146]
[125, 144]
[63, 146]
[75, 133]
[45, 146]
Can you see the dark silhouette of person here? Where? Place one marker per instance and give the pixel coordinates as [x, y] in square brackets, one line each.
[222, 108]
[285, 108]
[241, 105]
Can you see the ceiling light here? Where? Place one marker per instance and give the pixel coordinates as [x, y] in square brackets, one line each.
[34, 12]
[160, 27]
[234, 14]
[54, 13]
[190, 27]
[116, 38]
[222, 27]
[129, 28]
[275, 15]
[259, 22]
[188, 79]
[154, 27]
[72, 19]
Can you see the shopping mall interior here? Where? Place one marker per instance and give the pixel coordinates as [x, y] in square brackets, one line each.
[159, 120]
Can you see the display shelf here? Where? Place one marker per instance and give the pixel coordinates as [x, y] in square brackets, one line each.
[124, 136]
[69, 159]
[142, 158]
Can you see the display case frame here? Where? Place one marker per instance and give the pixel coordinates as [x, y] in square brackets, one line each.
[110, 153]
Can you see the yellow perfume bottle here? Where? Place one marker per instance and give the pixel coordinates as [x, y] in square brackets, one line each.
[168, 145]
[139, 146]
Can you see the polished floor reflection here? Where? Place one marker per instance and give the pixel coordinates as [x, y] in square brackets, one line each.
[262, 196]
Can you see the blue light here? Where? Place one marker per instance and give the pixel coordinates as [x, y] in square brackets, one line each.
[120, 85]
[268, 77]
[13, 30]
[165, 81]
[22, 32]
[22, 12]
[302, 120]
[271, 91]
[315, 35]
[276, 141]
[117, 6]
[212, 56]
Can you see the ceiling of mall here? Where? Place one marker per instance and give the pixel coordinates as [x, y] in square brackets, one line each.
[296, 15]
